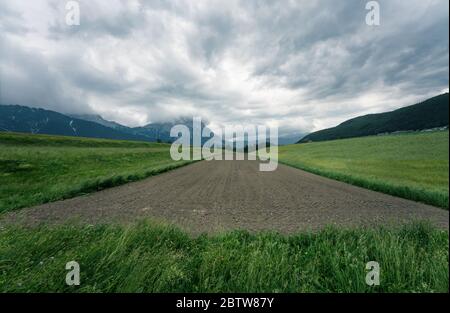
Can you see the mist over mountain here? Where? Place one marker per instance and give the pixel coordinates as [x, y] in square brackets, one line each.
[431, 113]
[98, 119]
[16, 118]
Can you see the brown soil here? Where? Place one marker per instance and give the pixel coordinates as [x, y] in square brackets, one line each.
[222, 195]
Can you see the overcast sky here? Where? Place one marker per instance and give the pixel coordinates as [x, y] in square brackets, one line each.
[302, 65]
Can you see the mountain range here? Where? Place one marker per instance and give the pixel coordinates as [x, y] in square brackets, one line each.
[432, 113]
[429, 114]
[16, 118]
[151, 132]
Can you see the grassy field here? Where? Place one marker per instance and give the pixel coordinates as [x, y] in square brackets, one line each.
[148, 257]
[35, 169]
[412, 166]
[154, 258]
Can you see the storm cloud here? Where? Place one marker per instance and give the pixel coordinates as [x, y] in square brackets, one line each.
[302, 65]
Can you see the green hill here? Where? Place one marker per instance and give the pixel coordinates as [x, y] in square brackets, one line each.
[429, 114]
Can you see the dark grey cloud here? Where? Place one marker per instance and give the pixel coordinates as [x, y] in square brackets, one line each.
[302, 65]
[28, 79]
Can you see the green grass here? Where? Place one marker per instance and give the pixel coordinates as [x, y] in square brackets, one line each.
[149, 257]
[36, 169]
[413, 166]
[146, 257]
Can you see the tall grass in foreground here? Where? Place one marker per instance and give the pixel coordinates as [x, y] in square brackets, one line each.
[146, 257]
[412, 166]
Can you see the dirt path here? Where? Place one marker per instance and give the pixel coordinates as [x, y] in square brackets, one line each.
[222, 195]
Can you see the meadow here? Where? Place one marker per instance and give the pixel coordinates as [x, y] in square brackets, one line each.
[412, 165]
[148, 257]
[36, 169]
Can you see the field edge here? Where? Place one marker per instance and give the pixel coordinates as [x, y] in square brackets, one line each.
[415, 194]
[98, 184]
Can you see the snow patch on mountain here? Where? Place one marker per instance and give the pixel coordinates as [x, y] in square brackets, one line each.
[71, 126]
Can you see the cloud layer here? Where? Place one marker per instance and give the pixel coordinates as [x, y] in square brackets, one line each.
[302, 65]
